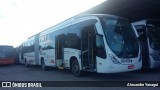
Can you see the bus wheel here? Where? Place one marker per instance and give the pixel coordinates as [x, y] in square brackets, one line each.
[26, 64]
[43, 66]
[75, 69]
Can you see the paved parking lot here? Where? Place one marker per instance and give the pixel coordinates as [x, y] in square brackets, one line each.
[22, 73]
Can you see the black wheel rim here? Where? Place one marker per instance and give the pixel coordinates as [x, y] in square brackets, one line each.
[43, 67]
[75, 68]
[26, 63]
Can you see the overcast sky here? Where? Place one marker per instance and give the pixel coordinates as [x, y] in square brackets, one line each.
[20, 19]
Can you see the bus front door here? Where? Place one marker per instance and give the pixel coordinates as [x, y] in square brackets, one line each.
[87, 48]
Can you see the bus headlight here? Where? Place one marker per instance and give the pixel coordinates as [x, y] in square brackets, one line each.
[114, 60]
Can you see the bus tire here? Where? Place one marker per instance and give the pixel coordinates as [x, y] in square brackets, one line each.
[43, 66]
[26, 64]
[75, 68]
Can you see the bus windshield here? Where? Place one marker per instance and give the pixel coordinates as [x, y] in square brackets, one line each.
[153, 30]
[120, 37]
[6, 51]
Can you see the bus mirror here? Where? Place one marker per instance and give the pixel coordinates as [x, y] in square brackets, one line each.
[140, 28]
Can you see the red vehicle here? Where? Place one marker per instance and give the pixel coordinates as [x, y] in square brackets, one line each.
[7, 54]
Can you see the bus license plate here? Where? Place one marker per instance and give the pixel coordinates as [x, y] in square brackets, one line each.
[131, 67]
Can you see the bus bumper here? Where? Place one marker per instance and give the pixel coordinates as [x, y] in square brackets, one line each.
[121, 68]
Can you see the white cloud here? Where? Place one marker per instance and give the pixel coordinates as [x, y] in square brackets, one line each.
[20, 19]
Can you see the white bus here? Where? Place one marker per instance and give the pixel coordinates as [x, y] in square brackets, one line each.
[95, 43]
[149, 31]
[29, 51]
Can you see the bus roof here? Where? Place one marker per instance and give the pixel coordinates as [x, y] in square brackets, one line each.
[6, 46]
[72, 19]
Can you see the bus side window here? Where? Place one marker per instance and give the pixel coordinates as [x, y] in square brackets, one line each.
[100, 48]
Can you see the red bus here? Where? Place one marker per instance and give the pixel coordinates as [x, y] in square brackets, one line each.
[7, 54]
